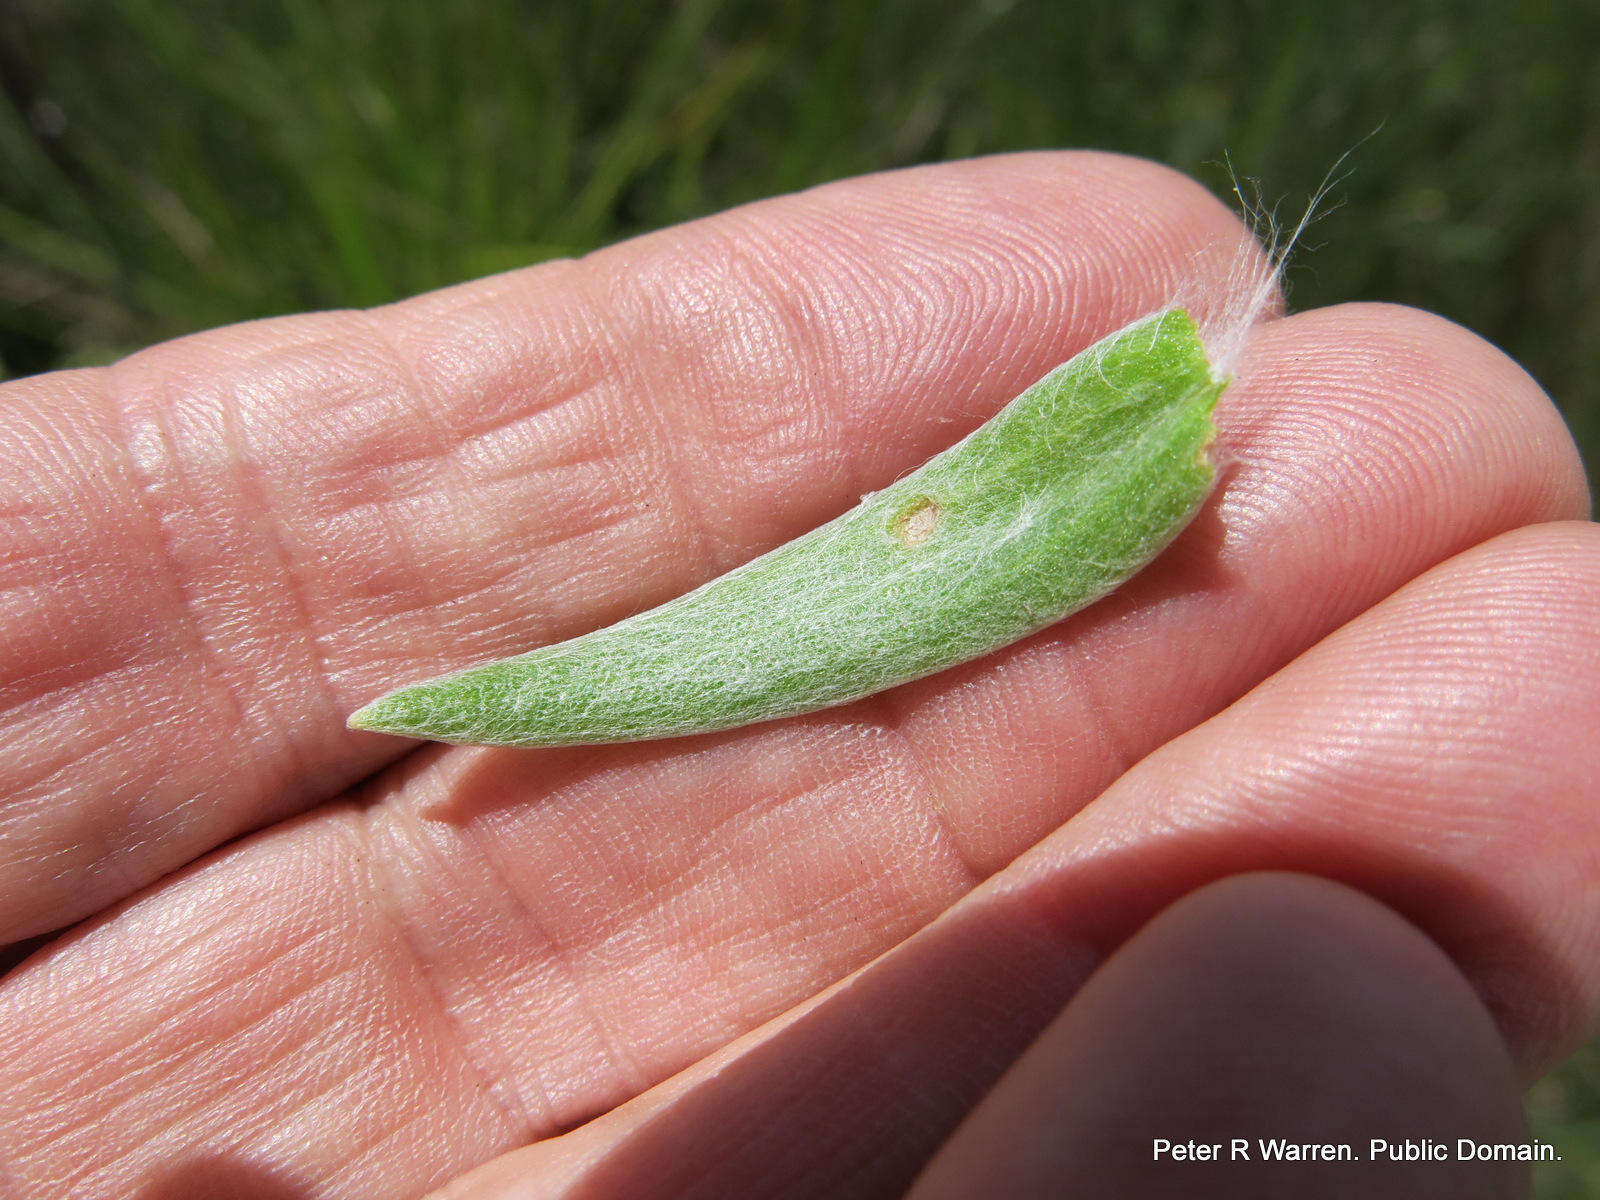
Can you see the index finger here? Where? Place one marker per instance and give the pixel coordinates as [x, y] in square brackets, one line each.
[218, 548]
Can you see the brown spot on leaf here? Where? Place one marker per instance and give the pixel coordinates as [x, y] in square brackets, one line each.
[916, 522]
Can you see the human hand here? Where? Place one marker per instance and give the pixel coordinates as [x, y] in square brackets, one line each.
[1371, 659]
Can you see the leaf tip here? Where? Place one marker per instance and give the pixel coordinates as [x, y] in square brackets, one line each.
[375, 717]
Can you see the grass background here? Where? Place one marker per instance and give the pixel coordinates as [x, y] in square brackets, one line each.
[170, 166]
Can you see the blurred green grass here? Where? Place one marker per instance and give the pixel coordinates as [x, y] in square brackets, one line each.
[168, 167]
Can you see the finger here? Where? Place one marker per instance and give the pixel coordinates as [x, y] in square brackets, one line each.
[1267, 1006]
[217, 549]
[544, 971]
[1265, 1011]
[854, 1091]
[1453, 779]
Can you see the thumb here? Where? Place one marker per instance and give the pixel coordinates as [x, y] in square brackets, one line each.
[1264, 1007]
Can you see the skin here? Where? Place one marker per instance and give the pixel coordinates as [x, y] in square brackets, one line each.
[796, 957]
